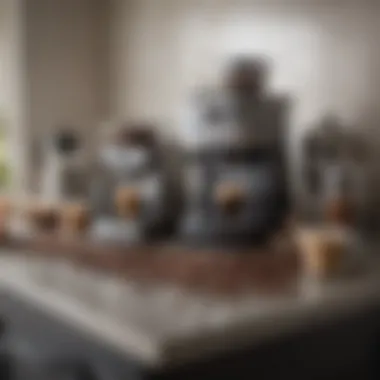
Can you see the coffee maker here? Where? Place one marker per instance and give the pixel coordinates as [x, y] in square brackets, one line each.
[235, 172]
[336, 173]
[133, 198]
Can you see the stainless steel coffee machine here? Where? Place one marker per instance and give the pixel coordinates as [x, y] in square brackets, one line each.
[133, 198]
[236, 181]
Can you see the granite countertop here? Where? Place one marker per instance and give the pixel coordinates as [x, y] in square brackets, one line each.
[164, 326]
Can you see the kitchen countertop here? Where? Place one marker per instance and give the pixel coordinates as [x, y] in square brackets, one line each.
[163, 326]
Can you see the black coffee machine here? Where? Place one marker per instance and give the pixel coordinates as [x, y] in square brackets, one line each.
[133, 199]
[237, 191]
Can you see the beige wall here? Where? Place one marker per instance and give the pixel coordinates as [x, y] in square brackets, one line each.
[146, 56]
[66, 64]
[324, 53]
[54, 65]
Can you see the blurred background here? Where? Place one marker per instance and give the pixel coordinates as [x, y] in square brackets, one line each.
[72, 72]
[86, 62]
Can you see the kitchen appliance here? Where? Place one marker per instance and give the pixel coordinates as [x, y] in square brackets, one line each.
[251, 215]
[133, 197]
[235, 172]
[336, 173]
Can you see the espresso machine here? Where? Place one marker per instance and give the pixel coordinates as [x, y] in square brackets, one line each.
[235, 173]
[133, 198]
[337, 174]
